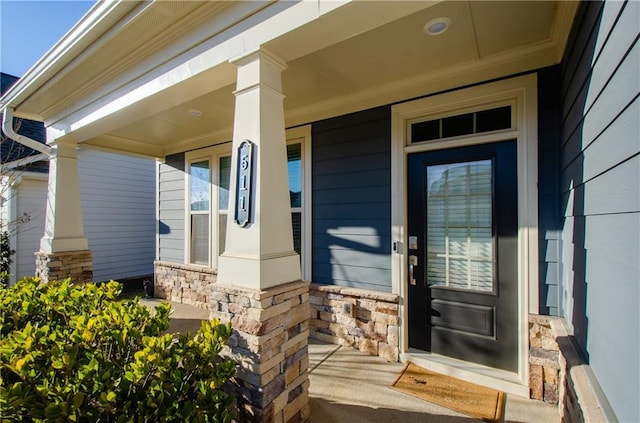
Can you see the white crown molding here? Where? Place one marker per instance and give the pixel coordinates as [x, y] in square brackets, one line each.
[212, 138]
[125, 146]
[561, 28]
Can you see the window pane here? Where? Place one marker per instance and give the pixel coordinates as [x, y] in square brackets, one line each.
[425, 131]
[457, 125]
[222, 232]
[459, 225]
[294, 159]
[200, 177]
[296, 223]
[200, 239]
[494, 119]
[223, 177]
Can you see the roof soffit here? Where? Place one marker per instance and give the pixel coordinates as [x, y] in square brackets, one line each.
[149, 36]
[342, 58]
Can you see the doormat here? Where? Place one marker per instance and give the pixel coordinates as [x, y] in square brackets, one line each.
[474, 400]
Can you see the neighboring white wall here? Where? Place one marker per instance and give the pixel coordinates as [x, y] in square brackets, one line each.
[4, 202]
[31, 200]
[118, 202]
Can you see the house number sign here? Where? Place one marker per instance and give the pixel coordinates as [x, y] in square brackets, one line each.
[244, 182]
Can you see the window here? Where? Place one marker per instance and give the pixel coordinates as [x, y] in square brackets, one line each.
[463, 124]
[223, 199]
[199, 195]
[208, 187]
[209, 173]
[294, 164]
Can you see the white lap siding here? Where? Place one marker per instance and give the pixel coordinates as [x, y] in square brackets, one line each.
[118, 204]
[171, 200]
[31, 201]
[118, 201]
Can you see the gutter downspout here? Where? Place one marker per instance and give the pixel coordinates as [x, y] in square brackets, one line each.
[7, 128]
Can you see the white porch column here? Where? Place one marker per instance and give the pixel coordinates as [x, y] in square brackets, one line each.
[64, 250]
[259, 288]
[260, 255]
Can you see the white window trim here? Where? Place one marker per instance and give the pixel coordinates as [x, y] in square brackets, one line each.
[521, 92]
[300, 135]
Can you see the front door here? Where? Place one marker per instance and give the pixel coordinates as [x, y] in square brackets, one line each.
[463, 253]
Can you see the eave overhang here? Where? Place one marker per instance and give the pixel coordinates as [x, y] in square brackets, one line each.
[136, 102]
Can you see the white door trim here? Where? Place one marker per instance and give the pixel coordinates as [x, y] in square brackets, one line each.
[521, 93]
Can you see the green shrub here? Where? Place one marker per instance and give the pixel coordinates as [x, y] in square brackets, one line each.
[5, 258]
[74, 353]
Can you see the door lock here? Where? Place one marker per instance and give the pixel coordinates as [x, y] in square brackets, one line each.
[413, 261]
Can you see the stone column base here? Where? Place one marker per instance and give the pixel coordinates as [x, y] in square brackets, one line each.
[77, 265]
[270, 344]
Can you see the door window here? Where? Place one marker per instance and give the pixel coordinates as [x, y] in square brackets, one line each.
[459, 225]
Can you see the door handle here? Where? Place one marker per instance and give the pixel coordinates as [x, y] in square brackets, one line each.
[413, 262]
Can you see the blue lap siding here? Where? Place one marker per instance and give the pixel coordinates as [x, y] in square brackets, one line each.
[548, 201]
[600, 198]
[352, 200]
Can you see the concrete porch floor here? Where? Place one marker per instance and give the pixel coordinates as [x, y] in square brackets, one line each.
[348, 386]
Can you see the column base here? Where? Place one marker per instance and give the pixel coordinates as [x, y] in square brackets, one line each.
[77, 265]
[270, 344]
[244, 271]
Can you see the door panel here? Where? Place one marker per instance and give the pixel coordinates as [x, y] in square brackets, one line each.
[462, 295]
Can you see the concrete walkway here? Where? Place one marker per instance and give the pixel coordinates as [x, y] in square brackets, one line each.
[350, 387]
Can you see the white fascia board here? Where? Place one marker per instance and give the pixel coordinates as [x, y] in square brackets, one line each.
[24, 161]
[83, 33]
[265, 25]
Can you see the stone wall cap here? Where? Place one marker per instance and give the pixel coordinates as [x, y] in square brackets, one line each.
[258, 294]
[357, 292]
[63, 253]
[188, 267]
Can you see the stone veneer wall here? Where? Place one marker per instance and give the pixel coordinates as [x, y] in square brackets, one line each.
[77, 265]
[270, 344]
[183, 283]
[358, 318]
[557, 372]
[544, 361]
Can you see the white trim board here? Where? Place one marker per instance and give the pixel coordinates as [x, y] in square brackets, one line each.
[520, 92]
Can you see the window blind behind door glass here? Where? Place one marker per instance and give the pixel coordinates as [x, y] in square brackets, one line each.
[459, 225]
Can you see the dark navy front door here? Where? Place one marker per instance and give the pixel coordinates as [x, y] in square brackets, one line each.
[463, 253]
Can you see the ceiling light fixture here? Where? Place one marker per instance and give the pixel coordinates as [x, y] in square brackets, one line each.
[195, 113]
[436, 26]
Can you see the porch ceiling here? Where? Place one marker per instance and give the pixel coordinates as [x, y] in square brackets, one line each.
[359, 55]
